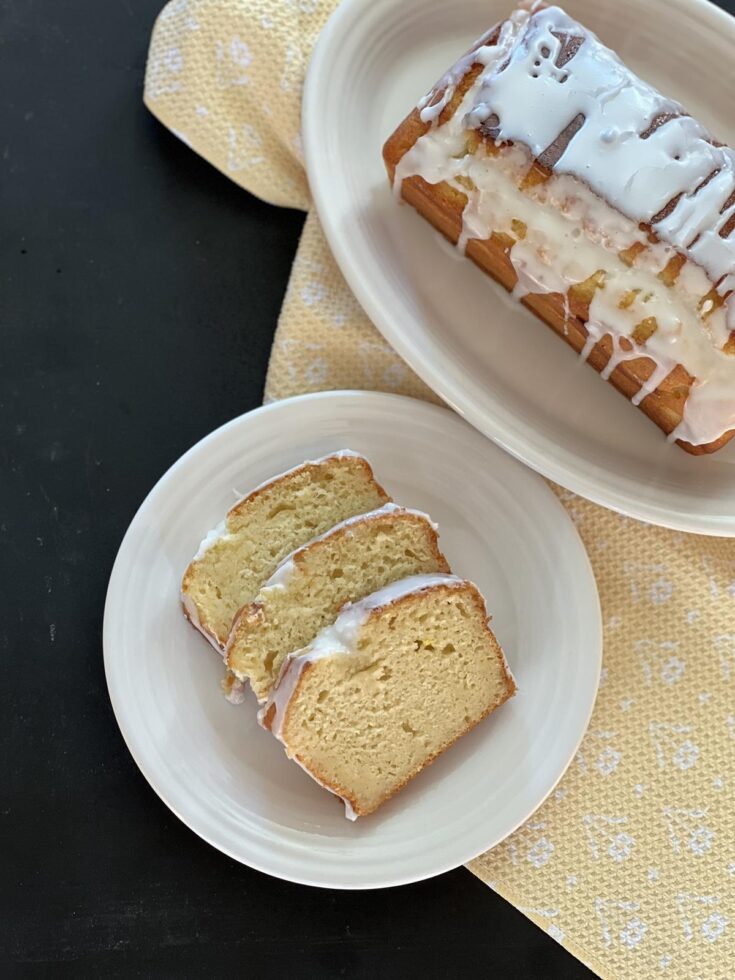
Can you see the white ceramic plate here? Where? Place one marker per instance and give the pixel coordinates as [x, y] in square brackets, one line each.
[228, 779]
[502, 369]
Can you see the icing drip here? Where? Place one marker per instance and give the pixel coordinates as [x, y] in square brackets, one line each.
[620, 155]
[488, 49]
[233, 689]
[212, 537]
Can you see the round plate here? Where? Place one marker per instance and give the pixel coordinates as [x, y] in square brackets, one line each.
[227, 778]
[487, 356]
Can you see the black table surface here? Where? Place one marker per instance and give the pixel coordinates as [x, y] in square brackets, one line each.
[140, 292]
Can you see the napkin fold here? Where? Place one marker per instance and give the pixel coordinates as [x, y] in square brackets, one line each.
[630, 863]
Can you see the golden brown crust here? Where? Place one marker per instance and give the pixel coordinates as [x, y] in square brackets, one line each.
[442, 206]
[341, 791]
[246, 619]
[268, 717]
[309, 467]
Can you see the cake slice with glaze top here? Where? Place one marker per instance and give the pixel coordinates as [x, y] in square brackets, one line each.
[389, 686]
[238, 556]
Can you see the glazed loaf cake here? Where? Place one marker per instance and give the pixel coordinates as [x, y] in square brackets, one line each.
[603, 206]
[391, 684]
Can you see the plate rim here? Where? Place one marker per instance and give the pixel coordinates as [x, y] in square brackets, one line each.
[538, 456]
[594, 613]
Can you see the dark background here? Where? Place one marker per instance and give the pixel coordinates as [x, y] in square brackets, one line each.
[140, 292]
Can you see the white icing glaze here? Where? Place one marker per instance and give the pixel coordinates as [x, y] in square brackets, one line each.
[233, 688]
[192, 614]
[535, 101]
[606, 181]
[211, 538]
[432, 104]
[282, 575]
[339, 639]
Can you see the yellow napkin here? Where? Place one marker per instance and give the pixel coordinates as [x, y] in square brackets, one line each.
[630, 864]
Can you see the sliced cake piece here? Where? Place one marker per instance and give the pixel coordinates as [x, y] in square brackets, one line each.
[392, 683]
[309, 588]
[237, 557]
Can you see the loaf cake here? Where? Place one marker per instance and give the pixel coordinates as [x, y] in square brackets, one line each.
[390, 685]
[307, 590]
[604, 207]
[239, 555]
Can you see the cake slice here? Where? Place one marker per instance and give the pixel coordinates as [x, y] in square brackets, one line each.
[237, 557]
[600, 203]
[391, 684]
[308, 589]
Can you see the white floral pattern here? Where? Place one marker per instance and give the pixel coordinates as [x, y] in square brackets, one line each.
[686, 830]
[725, 646]
[605, 837]
[540, 852]
[673, 745]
